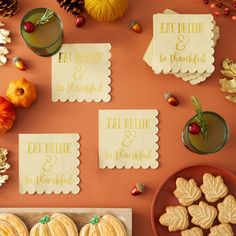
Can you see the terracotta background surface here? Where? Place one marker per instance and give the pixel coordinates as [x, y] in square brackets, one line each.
[134, 86]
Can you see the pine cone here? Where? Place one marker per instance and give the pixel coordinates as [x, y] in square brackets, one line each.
[8, 8]
[72, 6]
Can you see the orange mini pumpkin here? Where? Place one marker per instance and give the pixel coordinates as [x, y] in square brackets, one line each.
[7, 115]
[21, 93]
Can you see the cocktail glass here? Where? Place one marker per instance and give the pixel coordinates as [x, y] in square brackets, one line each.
[215, 139]
[46, 40]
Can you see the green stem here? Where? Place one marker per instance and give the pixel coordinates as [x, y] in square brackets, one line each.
[199, 115]
[95, 220]
[45, 17]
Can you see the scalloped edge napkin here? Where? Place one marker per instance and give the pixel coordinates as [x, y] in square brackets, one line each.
[193, 78]
[81, 72]
[128, 139]
[49, 163]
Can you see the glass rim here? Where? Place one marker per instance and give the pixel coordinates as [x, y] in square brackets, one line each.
[226, 136]
[30, 13]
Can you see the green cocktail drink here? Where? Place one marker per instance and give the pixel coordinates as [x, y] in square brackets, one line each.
[215, 139]
[46, 39]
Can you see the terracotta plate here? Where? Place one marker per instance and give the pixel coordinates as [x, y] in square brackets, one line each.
[164, 195]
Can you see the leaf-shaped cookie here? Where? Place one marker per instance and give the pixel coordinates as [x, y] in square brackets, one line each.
[213, 187]
[227, 210]
[221, 230]
[175, 218]
[203, 214]
[195, 231]
[187, 191]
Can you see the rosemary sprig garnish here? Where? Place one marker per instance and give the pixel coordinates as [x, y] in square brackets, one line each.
[49, 13]
[199, 115]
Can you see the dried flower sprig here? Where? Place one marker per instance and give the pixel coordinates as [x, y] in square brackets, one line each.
[229, 85]
[199, 115]
[4, 166]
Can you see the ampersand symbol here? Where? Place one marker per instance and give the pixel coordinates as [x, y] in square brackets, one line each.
[182, 42]
[49, 162]
[128, 138]
[80, 70]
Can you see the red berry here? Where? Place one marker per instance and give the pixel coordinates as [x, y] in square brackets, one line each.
[29, 27]
[80, 20]
[194, 128]
[216, 13]
[206, 2]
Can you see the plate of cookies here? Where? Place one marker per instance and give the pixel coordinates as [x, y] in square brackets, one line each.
[196, 201]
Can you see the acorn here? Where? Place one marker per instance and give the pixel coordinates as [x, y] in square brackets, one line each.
[135, 26]
[19, 63]
[137, 189]
[173, 101]
[80, 20]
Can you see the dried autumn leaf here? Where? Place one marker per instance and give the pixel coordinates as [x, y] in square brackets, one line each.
[203, 215]
[229, 68]
[227, 210]
[226, 63]
[228, 73]
[213, 187]
[186, 191]
[228, 85]
[231, 98]
[176, 218]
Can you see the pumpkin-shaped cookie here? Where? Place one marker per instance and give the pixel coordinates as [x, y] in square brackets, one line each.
[55, 225]
[106, 226]
[11, 225]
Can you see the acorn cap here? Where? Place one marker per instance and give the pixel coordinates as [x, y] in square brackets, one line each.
[15, 59]
[132, 23]
[167, 95]
[140, 187]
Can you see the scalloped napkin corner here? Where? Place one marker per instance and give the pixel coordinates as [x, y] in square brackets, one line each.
[80, 72]
[48, 163]
[128, 139]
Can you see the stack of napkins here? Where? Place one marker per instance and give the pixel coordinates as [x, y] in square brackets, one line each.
[183, 45]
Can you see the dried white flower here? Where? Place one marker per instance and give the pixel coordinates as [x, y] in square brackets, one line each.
[4, 36]
[3, 179]
[4, 168]
[3, 50]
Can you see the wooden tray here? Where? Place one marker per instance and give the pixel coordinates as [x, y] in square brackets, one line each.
[80, 216]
